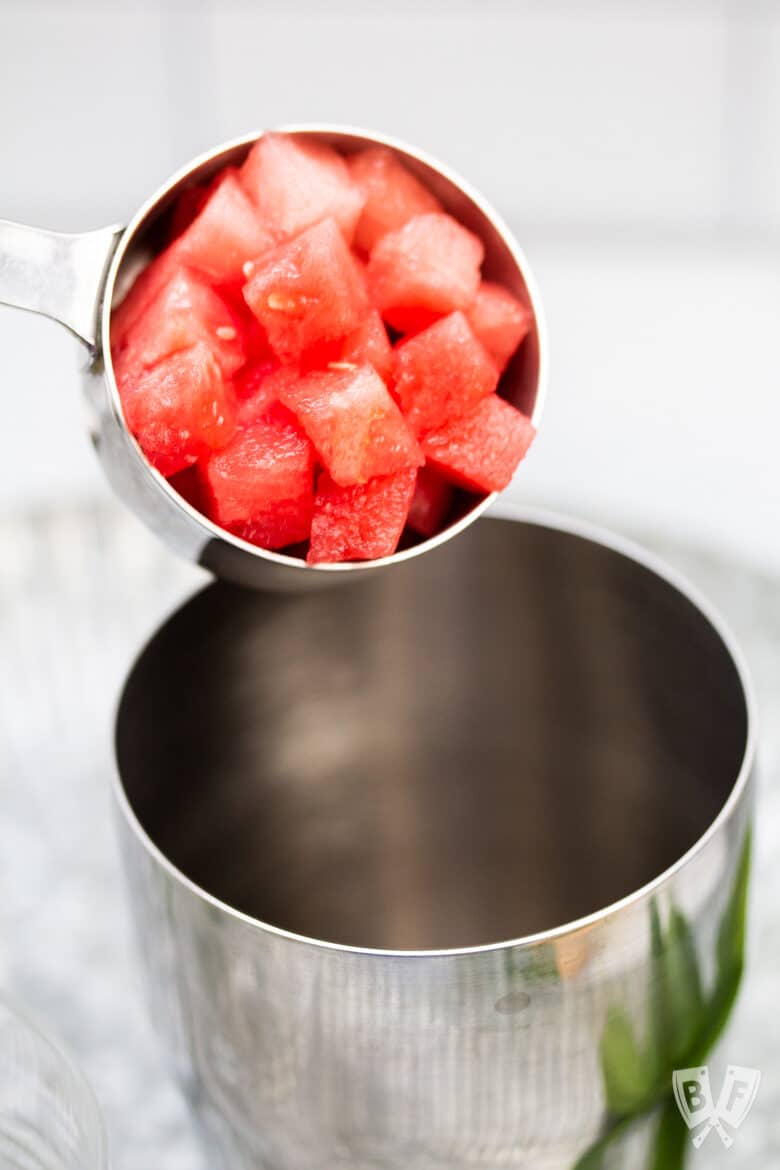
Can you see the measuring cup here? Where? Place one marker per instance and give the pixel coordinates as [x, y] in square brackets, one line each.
[77, 279]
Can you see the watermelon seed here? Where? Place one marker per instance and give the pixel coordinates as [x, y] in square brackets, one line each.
[342, 366]
[226, 333]
[248, 268]
[281, 303]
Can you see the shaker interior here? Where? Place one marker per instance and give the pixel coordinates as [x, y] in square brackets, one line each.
[507, 734]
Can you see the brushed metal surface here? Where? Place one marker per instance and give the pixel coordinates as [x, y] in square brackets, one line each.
[394, 850]
[57, 274]
[78, 279]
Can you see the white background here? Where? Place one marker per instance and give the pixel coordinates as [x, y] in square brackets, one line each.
[634, 146]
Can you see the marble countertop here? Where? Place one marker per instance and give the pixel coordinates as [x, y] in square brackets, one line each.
[80, 592]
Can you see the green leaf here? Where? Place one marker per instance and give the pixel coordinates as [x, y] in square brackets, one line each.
[670, 1150]
[730, 948]
[629, 1076]
[683, 991]
[596, 1157]
[684, 1025]
[729, 958]
[660, 1034]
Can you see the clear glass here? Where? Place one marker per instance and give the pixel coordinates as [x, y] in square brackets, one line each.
[49, 1118]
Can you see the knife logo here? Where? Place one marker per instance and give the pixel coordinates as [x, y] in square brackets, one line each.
[699, 1109]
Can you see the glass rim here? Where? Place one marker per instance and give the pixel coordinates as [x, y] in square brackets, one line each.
[13, 1010]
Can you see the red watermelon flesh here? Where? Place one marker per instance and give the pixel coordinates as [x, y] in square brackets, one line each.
[188, 204]
[369, 345]
[307, 291]
[442, 373]
[143, 290]
[180, 409]
[261, 486]
[184, 311]
[430, 504]
[188, 484]
[353, 422]
[481, 450]
[252, 382]
[226, 232]
[362, 522]
[428, 267]
[295, 183]
[392, 194]
[254, 352]
[499, 320]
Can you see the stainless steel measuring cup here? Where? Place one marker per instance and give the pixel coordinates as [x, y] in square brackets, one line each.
[446, 869]
[77, 279]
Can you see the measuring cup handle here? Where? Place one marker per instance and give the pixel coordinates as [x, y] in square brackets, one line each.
[59, 275]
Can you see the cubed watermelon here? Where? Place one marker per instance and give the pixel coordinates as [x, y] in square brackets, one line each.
[393, 195]
[140, 294]
[226, 232]
[362, 522]
[427, 268]
[369, 345]
[307, 291]
[353, 422]
[184, 311]
[189, 486]
[256, 391]
[430, 504]
[189, 203]
[296, 183]
[481, 450]
[251, 380]
[254, 353]
[499, 320]
[180, 409]
[442, 373]
[261, 486]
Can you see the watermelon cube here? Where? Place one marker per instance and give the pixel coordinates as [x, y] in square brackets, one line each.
[180, 409]
[353, 422]
[307, 291]
[499, 320]
[255, 392]
[481, 450]
[430, 504]
[362, 522]
[369, 345]
[392, 194]
[185, 310]
[427, 268]
[295, 183]
[226, 232]
[442, 373]
[261, 485]
[189, 486]
[143, 290]
[189, 202]
[252, 379]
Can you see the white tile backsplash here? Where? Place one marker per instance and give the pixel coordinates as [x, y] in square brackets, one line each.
[587, 115]
[84, 130]
[756, 167]
[605, 115]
